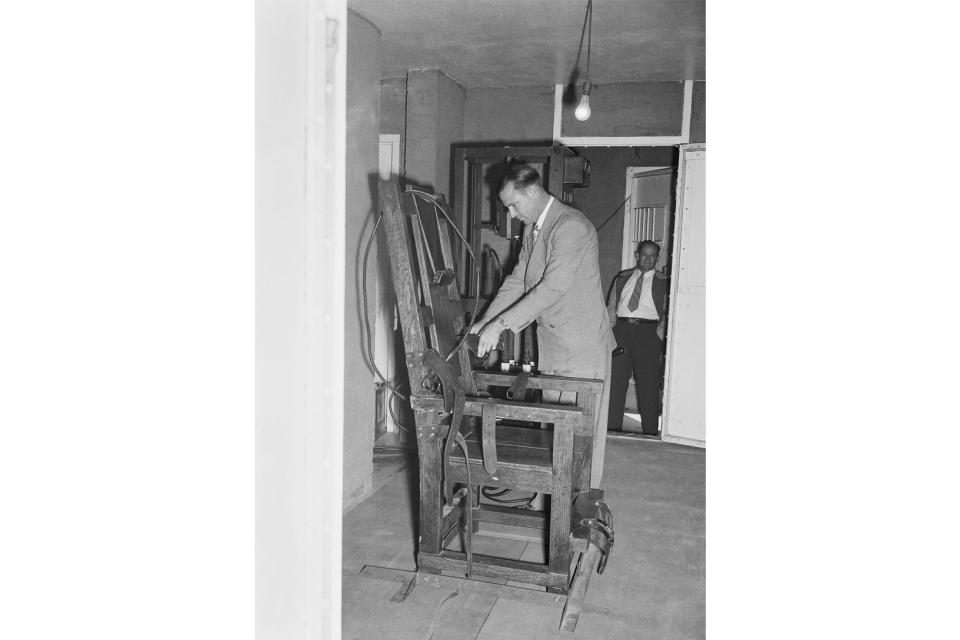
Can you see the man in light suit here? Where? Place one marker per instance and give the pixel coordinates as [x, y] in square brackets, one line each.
[556, 282]
[638, 310]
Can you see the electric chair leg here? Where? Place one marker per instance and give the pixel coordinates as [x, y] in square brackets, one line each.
[578, 589]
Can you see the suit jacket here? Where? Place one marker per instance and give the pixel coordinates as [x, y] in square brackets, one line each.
[557, 283]
[659, 293]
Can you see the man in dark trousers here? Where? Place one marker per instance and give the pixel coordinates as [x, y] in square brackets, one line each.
[639, 307]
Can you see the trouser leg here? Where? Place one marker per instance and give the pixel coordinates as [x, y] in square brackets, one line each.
[601, 426]
[647, 376]
[621, 368]
[597, 370]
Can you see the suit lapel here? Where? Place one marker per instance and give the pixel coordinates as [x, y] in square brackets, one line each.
[537, 261]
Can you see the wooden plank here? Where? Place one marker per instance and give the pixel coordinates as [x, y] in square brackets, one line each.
[521, 437]
[582, 445]
[540, 381]
[506, 592]
[428, 447]
[511, 456]
[511, 516]
[554, 413]
[561, 498]
[493, 567]
[578, 545]
[400, 267]
[527, 479]
[578, 589]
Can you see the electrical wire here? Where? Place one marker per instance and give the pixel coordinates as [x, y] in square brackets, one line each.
[610, 217]
[396, 420]
[366, 311]
[494, 496]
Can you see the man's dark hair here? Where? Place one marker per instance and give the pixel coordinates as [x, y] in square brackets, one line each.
[521, 176]
[648, 243]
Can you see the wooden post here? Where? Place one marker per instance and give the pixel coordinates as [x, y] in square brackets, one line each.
[578, 590]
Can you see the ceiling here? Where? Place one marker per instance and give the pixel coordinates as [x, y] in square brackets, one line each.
[503, 43]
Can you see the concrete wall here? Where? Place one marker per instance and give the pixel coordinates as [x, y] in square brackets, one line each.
[511, 113]
[435, 108]
[451, 100]
[364, 65]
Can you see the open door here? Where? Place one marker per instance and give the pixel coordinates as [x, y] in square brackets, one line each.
[684, 420]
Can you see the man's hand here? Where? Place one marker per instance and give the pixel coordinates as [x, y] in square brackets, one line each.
[477, 326]
[660, 331]
[490, 336]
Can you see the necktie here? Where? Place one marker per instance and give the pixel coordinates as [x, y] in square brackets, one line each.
[536, 230]
[635, 298]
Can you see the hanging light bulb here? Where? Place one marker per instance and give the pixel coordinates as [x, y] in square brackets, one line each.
[582, 112]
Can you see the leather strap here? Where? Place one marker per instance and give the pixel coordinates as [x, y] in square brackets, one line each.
[453, 402]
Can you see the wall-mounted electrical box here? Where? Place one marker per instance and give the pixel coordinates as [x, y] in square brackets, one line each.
[576, 172]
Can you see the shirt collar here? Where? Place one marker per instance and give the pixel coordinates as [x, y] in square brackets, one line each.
[543, 214]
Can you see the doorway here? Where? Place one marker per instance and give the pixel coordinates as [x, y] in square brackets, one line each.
[648, 215]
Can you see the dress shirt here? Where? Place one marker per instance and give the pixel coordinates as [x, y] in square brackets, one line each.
[645, 308]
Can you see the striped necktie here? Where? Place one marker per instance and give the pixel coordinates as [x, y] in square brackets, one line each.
[536, 230]
[635, 298]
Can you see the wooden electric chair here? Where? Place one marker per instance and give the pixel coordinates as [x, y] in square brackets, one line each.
[468, 439]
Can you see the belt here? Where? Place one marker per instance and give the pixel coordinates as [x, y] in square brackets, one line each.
[637, 320]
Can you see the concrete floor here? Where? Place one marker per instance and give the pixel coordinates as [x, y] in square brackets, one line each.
[653, 586]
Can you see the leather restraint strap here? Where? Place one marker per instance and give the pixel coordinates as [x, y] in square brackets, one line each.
[433, 361]
[593, 521]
